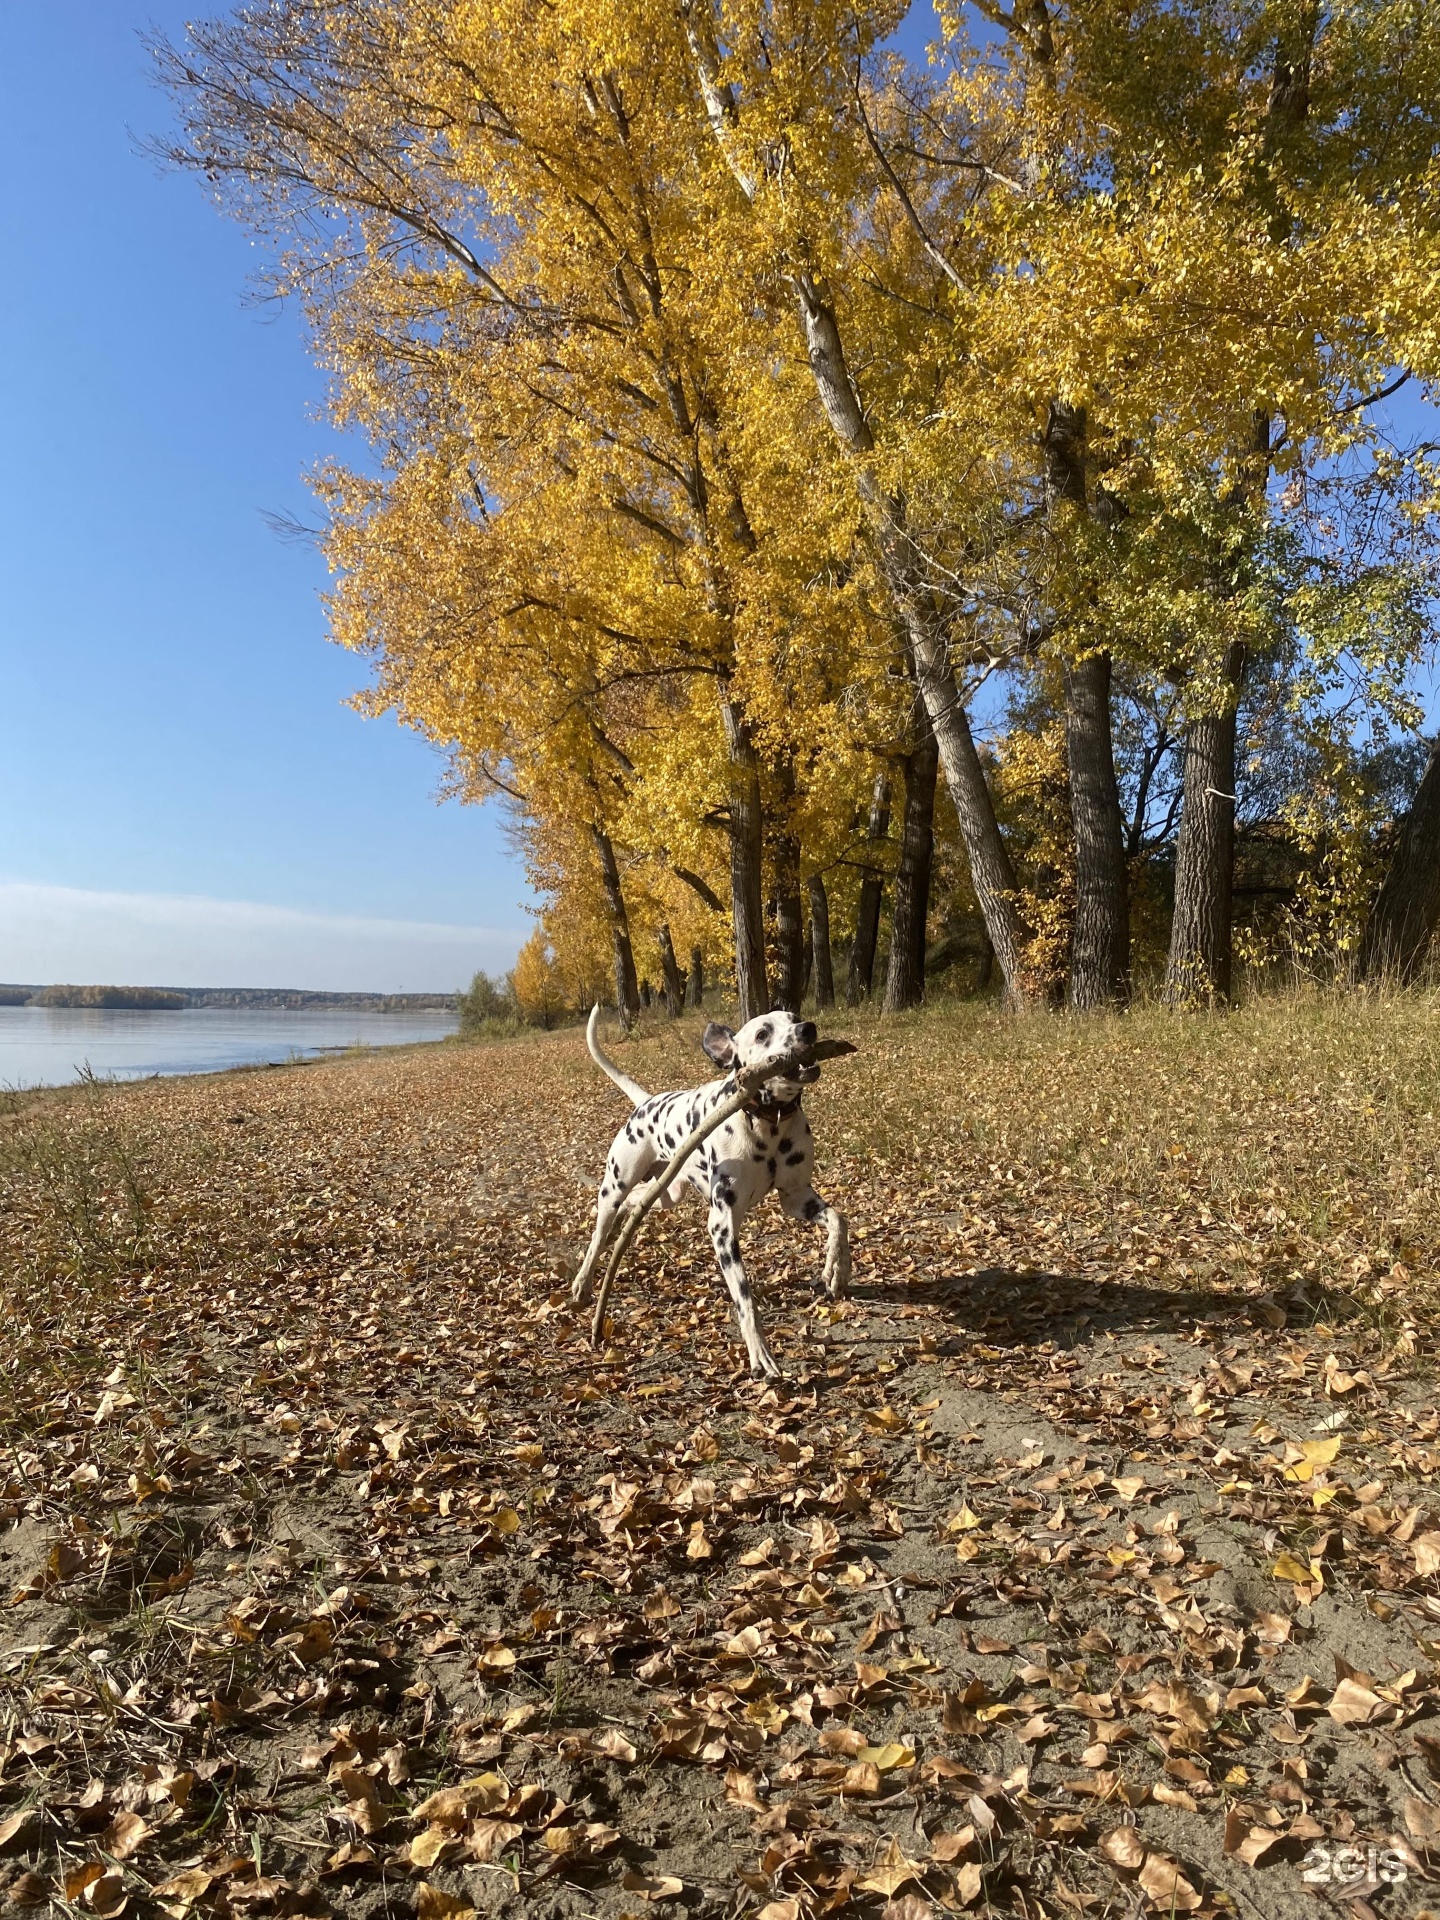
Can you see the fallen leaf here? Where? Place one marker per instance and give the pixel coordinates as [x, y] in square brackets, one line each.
[890, 1873]
[1166, 1886]
[1423, 1820]
[433, 1903]
[969, 1882]
[14, 1825]
[125, 1835]
[453, 1806]
[1123, 1847]
[652, 1887]
[1353, 1705]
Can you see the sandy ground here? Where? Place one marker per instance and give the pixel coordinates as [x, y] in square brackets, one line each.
[1084, 1562]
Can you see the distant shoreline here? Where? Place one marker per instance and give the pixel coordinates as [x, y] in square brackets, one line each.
[178, 999]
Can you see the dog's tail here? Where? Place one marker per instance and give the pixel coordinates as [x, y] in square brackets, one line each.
[631, 1088]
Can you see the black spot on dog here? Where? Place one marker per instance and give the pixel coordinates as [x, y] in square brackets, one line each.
[784, 1146]
[772, 1166]
[794, 1159]
[814, 1208]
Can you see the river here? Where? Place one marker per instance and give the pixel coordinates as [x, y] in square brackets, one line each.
[49, 1046]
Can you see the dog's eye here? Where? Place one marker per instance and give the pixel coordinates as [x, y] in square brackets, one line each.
[762, 1034]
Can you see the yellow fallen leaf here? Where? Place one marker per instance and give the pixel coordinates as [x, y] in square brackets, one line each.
[1302, 1573]
[184, 1889]
[426, 1848]
[433, 1903]
[452, 1806]
[888, 1757]
[890, 1872]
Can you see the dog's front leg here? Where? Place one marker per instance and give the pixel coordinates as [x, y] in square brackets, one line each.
[807, 1205]
[626, 1164]
[607, 1214]
[725, 1238]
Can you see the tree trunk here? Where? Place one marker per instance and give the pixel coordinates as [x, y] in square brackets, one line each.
[789, 914]
[645, 995]
[1100, 942]
[985, 973]
[861, 974]
[790, 939]
[820, 942]
[746, 828]
[1100, 945]
[627, 989]
[1406, 912]
[992, 873]
[674, 979]
[1198, 972]
[697, 977]
[905, 975]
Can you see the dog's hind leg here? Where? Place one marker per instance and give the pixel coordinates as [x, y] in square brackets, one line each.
[725, 1238]
[806, 1204]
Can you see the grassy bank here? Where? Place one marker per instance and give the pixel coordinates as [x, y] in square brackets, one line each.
[1041, 1585]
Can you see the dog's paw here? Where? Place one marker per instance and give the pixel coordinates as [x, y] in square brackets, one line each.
[837, 1277]
[764, 1366]
[580, 1293]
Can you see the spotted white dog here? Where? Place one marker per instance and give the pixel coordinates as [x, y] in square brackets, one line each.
[767, 1144]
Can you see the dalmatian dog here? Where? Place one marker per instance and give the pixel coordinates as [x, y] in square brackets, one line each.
[766, 1145]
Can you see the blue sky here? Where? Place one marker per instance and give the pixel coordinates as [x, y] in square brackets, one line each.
[186, 797]
[172, 726]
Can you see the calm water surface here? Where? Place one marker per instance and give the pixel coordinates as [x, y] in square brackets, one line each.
[48, 1046]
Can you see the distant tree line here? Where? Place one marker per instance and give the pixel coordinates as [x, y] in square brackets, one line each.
[131, 999]
[173, 999]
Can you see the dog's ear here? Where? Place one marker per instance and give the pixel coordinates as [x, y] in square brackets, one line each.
[719, 1043]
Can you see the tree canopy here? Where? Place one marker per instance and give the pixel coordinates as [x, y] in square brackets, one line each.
[751, 421]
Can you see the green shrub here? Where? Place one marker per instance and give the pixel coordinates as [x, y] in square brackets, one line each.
[487, 1007]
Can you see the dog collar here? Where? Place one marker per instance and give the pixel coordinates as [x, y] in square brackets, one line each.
[764, 1107]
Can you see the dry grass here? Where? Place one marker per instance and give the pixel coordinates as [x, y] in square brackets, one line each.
[315, 1499]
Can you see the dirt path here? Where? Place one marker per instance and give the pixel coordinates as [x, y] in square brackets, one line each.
[346, 1578]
